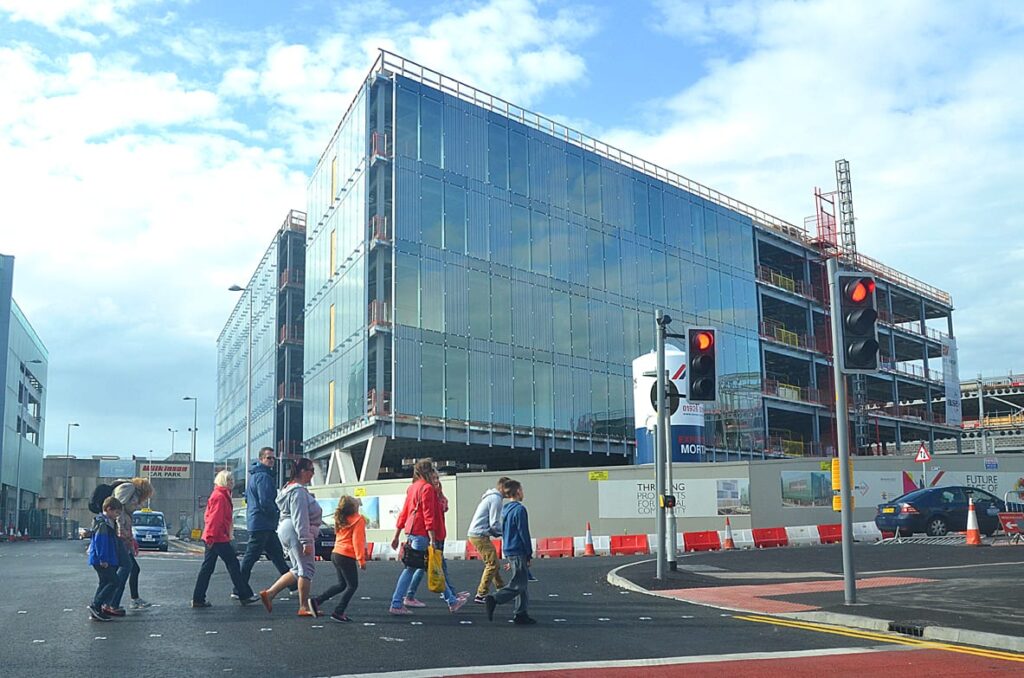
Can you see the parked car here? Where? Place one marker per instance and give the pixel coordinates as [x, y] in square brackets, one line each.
[240, 536]
[149, 529]
[937, 511]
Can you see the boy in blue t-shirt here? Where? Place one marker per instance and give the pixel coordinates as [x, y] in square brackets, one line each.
[103, 557]
[518, 550]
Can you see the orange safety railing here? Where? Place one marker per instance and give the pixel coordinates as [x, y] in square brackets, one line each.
[289, 390]
[291, 333]
[379, 145]
[380, 229]
[800, 394]
[378, 405]
[779, 279]
[292, 276]
[774, 330]
[380, 315]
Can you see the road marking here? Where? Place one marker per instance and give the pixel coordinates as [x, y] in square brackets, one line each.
[604, 619]
[886, 638]
[369, 624]
[558, 620]
[389, 639]
[623, 593]
[211, 633]
[155, 635]
[22, 611]
[266, 628]
[941, 567]
[317, 626]
[552, 595]
[68, 609]
[465, 621]
[644, 618]
[365, 598]
[38, 641]
[686, 616]
[588, 594]
[725, 614]
[416, 623]
[100, 638]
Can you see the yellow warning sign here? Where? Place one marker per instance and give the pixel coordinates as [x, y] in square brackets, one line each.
[837, 502]
[597, 475]
[835, 474]
[359, 492]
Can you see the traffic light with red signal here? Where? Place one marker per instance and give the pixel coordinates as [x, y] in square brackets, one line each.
[857, 348]
[701, 372]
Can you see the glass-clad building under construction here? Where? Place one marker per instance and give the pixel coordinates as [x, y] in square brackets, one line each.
[479, 279]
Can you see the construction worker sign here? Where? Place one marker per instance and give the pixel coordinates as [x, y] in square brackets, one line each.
[686, 419]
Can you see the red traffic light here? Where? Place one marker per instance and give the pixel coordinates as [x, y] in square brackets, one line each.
[702, 341]
[859, 290]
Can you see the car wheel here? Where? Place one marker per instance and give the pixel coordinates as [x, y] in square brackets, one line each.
[937, 527]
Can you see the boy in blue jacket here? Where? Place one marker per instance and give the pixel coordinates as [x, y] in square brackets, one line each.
[518, 550]
[103, 557]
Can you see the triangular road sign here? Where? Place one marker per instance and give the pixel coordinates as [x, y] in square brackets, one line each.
[922, 454]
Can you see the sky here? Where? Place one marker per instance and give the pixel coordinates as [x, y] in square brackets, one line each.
[149, 149]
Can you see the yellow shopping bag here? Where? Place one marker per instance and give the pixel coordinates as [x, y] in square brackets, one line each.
[435, 570]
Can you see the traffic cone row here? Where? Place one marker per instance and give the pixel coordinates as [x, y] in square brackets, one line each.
[588, 543]
[973, 535]
[729, 544]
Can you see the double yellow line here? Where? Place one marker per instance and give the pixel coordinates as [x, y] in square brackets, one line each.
[882, 637]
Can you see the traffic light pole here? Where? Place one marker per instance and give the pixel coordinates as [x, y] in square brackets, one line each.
[659, 440]
[842, 434]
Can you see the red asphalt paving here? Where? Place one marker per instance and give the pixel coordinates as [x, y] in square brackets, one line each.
[756, 597]
[931, 663]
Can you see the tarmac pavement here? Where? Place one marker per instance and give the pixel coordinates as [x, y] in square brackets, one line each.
[950, 593]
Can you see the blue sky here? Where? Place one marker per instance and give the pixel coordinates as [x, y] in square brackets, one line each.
[150, 148]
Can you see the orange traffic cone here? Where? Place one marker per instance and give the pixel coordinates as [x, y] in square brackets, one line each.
[588, 543]
[729, 544]
[973, 535]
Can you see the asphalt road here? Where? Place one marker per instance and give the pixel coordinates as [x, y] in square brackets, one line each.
[46, 630]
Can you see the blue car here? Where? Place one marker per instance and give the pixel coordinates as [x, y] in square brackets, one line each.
[149, 529]
[936, 511]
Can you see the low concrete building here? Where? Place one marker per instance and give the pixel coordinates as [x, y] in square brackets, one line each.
[171, 477]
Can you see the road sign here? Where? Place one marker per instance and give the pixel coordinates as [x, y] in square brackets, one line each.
[922, 455]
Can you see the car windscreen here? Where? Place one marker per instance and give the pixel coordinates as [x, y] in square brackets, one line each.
[148, 520]
[911, 497]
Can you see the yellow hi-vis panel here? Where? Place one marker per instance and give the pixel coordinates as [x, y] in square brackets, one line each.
[334, 252]
[331, 330]
[330, 404]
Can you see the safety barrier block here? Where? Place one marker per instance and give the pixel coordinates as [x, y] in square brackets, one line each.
[473, 554]
[701, 541]
[741, 539]
[382, 551]
[628, 544]
[866, 532]
[765, 537]
[554, 547]
[803, 535]
[455, 549]
[830, 534]
[369, 550]
[602, 545]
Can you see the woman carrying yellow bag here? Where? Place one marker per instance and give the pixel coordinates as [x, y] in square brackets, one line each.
[435, 570]
[435, 554]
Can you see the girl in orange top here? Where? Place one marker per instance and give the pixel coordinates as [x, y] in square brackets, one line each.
[349, 551]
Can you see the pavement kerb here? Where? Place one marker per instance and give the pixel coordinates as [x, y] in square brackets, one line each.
[188, 546]
[936, 633]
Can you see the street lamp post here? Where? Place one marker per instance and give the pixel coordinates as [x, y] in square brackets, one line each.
[248, 385]
[194, 429]
[22, 432]
[67, 479]
[173, 431]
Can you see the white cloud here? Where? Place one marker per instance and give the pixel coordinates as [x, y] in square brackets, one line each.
[76, 19]
[917, 95]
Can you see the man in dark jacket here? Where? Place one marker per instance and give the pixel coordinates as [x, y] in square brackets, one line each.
[261, 516]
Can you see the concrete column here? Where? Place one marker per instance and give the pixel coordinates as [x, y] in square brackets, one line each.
[372, 458]
[341, 468]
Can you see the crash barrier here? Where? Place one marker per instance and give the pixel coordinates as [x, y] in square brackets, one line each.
[767, 537]
[686, 542]
[628, 545]
[555, 547]
[830, 534]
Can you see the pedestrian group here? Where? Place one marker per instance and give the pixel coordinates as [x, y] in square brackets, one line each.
[291, 519]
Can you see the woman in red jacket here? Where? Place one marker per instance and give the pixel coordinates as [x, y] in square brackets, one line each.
[419, 519]
[217, 535]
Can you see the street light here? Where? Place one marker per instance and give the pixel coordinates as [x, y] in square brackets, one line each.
[248, 386]
[173, 431]
[67, 478]
[22, 432]
[194, 430]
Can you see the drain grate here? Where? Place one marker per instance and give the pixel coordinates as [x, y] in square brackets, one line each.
[907, 628]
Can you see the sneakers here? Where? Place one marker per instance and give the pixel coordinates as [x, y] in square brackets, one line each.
[480, 600]
[234, 596]
[457, 605]
[113, 611]
[523, 618]
[201, 604]
[249, 601]
[412, 602]
[314, 607]
[267, 603]
[490, 603]
[530, 577]
[97, 614]
[463, 594]
[303, 612]
[399, 610]
[340, 617]
[139, 604]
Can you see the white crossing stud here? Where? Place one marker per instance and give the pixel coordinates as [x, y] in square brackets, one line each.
[211, 633]
[552, 595]
[588, 594]
[101, 637]
[155, 635]
[317, 626]
[603, 619]
[369, 624]
[465, 621]
[416, 623]
[644, 618]
[38, 641]
[266, 628]
[559, 620]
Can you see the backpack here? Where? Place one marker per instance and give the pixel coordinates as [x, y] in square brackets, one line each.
[100, 494]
